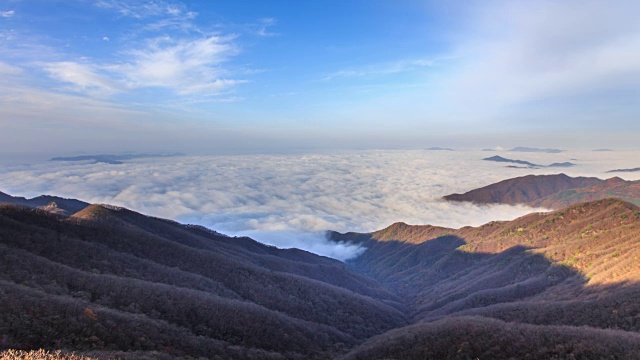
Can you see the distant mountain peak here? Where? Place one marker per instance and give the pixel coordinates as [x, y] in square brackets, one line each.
[551, 191]
[112, 159]
[437, 148]
[498, 158]
[55, 204]
[624, 170]
[562, 164]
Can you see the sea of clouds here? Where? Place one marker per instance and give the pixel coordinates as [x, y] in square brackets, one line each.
[291, 200]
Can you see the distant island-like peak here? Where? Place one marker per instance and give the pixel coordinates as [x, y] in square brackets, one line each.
[437, 148]
[528, 164]
[112, 159]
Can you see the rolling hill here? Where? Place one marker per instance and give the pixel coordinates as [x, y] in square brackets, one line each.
[566, 273]
[112, 279]
[107, 281]
[551, 191]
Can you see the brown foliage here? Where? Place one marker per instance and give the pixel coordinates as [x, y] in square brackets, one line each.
[551, 191]
[40, 355]
[579, 259]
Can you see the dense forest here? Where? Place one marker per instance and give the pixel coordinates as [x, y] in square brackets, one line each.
[107, 282]
[110, 278]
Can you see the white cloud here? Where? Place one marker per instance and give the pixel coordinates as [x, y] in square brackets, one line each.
[289, 200]
[144, 8]
[7, 13]
[106, 38]
[186, 65]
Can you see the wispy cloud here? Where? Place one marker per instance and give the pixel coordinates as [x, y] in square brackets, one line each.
[6, 69]
[186, 63]
[7, 13]
[83, 77]
[23, 104]
[382, 69]
[188, 66]
[141, 9]
[263, 27]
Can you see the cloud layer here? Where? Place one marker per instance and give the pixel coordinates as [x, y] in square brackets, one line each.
[290, 200]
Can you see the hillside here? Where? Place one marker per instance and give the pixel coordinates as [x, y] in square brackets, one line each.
[484, 338]
[112, 279]
[575, 267]
[551, 191]
[53, 204]
[107, 281]
[442, 270]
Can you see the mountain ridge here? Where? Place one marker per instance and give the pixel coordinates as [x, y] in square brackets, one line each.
[54, 204]
[551, 191]
[498, 158]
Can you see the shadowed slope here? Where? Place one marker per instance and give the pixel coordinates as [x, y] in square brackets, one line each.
[110, 278]
[577, 267]
[547, 256]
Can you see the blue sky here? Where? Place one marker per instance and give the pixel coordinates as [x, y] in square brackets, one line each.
[259, 76]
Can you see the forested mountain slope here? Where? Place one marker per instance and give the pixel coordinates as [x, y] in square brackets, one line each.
[551, 191]
[574, 267]
[110, 278]
[113, 282]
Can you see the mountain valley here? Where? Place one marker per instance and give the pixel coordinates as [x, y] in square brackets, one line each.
[109, 282]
